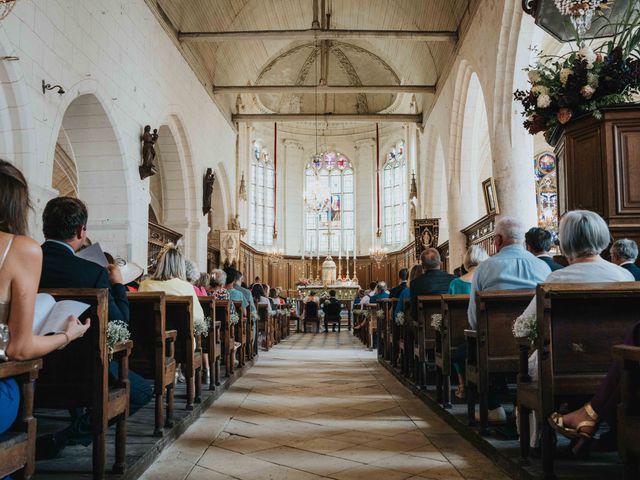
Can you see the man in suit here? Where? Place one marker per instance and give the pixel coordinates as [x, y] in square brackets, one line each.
[332, 309]
[403, 274]
[624, 253]
[432, 282]
[65, 231]
[538, 242]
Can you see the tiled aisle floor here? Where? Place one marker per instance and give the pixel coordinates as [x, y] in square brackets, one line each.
[320, 406]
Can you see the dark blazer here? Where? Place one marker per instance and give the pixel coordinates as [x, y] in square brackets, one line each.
[333, 309]
[62, 269]
[432, 282]
[397, 290]
[552, 265]
[633, 268]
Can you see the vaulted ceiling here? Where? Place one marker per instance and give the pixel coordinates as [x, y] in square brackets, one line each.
[395, 52]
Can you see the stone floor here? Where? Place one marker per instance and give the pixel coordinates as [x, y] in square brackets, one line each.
[320, 406]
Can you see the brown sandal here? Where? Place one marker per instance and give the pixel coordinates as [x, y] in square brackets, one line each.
[557, 423]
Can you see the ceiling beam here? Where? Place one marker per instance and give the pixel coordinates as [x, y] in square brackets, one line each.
[318, 34]
[328, 117]
[262, 89]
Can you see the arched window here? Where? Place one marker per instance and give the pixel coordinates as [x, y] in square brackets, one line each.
[547, 191]
[334, 227]
[261, 196]
[394, 197]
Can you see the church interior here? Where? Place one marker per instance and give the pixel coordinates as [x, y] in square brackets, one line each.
[319, 239]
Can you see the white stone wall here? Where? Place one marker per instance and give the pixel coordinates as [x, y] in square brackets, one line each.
[117, 53]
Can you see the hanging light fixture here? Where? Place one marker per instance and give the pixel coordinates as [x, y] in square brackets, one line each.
[568, 20]
[378, 252]
[5, 7]
[275, 254]
[316, 198]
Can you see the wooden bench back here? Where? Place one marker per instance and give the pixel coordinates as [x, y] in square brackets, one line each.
[581, 322]
[454, 314]
[427, 306]
[82, 367]
[179, 317]
[496, 312]
[147, 315]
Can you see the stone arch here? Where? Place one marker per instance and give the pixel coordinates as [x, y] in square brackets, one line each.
[16, 124]
[92, 146]
[180, 198]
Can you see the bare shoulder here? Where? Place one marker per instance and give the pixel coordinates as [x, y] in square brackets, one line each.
[26, 248]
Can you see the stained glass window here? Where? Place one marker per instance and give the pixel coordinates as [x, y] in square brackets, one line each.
[261, 197]
[334, 227]
[394, 197]
[547, 191]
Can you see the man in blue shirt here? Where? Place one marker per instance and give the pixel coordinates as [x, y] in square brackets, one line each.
[512, 268]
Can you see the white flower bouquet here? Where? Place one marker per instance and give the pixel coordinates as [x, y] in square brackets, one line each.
[201, 326]
[234, 318]
[526, 326]
[380, 314]
[436, 321]
[400, 318]
[117, 332]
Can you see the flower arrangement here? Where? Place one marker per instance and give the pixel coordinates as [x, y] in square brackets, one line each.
[380, 314]
[201, 326]
[525, 326]
[399, 318]
[363, 313]
[303, 282]
[436, 321]
[583, 81]
[254, 316]
[234, 318]
[117, 332]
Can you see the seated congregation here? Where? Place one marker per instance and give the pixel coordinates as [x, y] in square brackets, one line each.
[543, 351]
[134, 352]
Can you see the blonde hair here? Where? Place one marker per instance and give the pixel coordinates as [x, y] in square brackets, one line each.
[170, 264]
[475, 256]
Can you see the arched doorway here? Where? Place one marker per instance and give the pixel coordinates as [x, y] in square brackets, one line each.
[89, 164]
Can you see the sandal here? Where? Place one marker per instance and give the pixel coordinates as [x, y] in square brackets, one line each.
[557, 423]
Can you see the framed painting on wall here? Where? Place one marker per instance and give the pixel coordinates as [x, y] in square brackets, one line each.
[490, 196]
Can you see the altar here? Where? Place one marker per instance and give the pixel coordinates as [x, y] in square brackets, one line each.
[345, 294]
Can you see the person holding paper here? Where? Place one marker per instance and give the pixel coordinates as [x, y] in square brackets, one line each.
[20, 265]
[65, 231]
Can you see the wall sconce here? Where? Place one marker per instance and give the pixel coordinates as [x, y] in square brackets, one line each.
[48, 86]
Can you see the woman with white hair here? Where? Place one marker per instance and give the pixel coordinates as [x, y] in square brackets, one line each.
[583, 235]
[474, 256]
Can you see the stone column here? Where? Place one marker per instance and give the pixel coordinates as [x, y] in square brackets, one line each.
[290, 210]
[365, 177]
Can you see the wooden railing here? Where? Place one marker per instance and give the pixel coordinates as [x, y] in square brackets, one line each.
[481, 233]
[158, 237]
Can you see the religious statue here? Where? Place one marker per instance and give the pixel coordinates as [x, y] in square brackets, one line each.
[229, 247]
[148, 139]
[207, 190]
[234, 224]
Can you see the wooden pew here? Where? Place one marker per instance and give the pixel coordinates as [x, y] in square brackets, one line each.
[241, 332]
[264, 326]
[491, 348]
[18, 444]
[577, 326]
[153, 355]
[424, 337]
[227, 335]
[395, 336]
[82, 368]
[371, 324]
[212, 345]
[628, 358]
[405, 343]
[448, 339]
[384, 328]
[188, 351]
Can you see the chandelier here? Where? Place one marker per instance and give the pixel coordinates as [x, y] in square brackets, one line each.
[378, 252]
[275, 254]
[587, 18]
[5, 7]
[316, 197]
